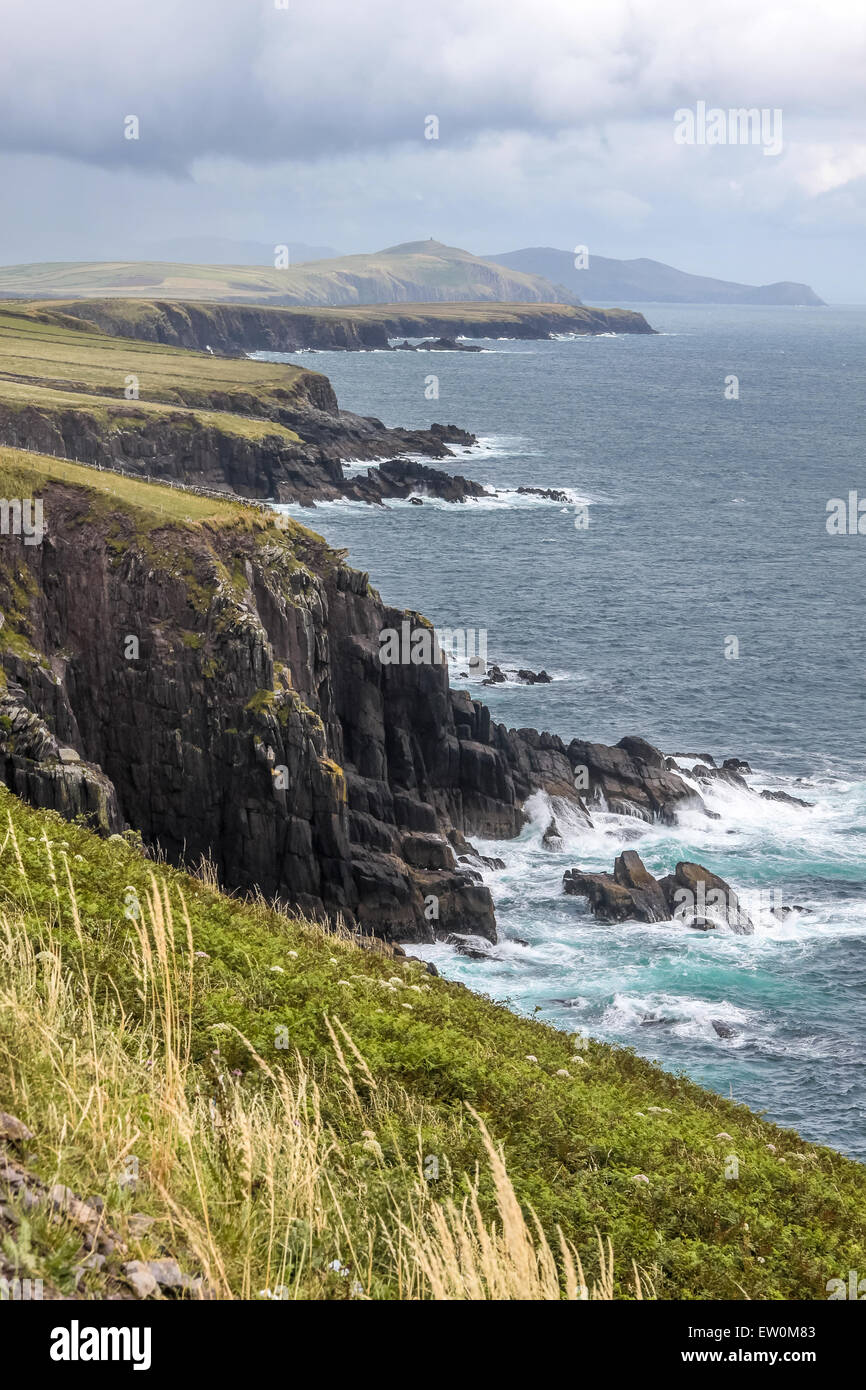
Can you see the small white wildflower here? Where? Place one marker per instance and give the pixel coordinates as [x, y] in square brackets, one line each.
[563, 1071]
[530, 1057]
[723, 1134]
[640, 1177]
[279, 969]
[292, 953]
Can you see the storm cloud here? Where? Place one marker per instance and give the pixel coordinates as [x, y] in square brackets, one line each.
[315, 114]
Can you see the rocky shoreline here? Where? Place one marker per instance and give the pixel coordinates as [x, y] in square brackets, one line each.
[222, 693]
[179, 446]
[256, 725]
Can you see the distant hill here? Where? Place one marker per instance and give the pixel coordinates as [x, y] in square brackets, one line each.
[416, 272]
[608, 281]
[216, 250]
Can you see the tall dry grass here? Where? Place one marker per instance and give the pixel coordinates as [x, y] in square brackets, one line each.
[245, 1181]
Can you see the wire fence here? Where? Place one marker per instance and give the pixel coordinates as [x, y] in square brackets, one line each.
[149, 478]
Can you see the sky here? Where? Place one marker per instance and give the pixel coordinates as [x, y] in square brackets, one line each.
[281, 121]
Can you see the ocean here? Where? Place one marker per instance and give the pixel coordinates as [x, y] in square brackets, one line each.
[704, 607]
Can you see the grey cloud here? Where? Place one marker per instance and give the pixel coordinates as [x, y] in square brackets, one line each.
[242, 78]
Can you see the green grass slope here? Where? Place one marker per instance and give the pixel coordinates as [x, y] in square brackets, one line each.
[48, 351]
[307, 1114]
[61, 367]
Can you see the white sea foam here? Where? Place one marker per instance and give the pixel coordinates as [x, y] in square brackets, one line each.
[501, 499]
[681, 1015]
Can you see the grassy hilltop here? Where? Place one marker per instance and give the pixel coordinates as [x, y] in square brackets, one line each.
[308, 1113]
[415, 271]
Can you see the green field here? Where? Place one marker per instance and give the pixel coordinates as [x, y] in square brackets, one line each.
[43, 350]
[55, 364]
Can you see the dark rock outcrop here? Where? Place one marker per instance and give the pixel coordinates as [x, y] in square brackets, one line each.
[631, 779]
[786, 799]
[550, 494]
[629, 894]
[182, 446]
[552, 837]
[45, 772]
[691, 895]
[702, 899]
[436, 345]
[219, 687]
[534, 677]
[401, 478]
[736, 765]
[724, 1030]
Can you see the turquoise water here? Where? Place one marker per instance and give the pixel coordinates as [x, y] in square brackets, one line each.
[706, 522]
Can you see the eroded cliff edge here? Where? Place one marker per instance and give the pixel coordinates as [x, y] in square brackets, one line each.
[364, 327]
[217, 685]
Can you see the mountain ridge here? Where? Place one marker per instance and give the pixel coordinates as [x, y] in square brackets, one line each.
[645, 281]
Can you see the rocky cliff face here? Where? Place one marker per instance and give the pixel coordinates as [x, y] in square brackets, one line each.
[219, 687]
[299, 461]
[236, 328]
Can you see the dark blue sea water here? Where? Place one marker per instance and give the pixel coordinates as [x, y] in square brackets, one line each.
[707, 522]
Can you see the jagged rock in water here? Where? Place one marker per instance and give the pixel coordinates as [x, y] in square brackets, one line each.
[398, 479]
[702, 899]
[723, 1029]
[629, 894]
[630, 871]
[736, 765]
[691, 895]
[631, 779]
[552, 837]
[495, 676]
[534, 677]
[786, 799]
[436, 345]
